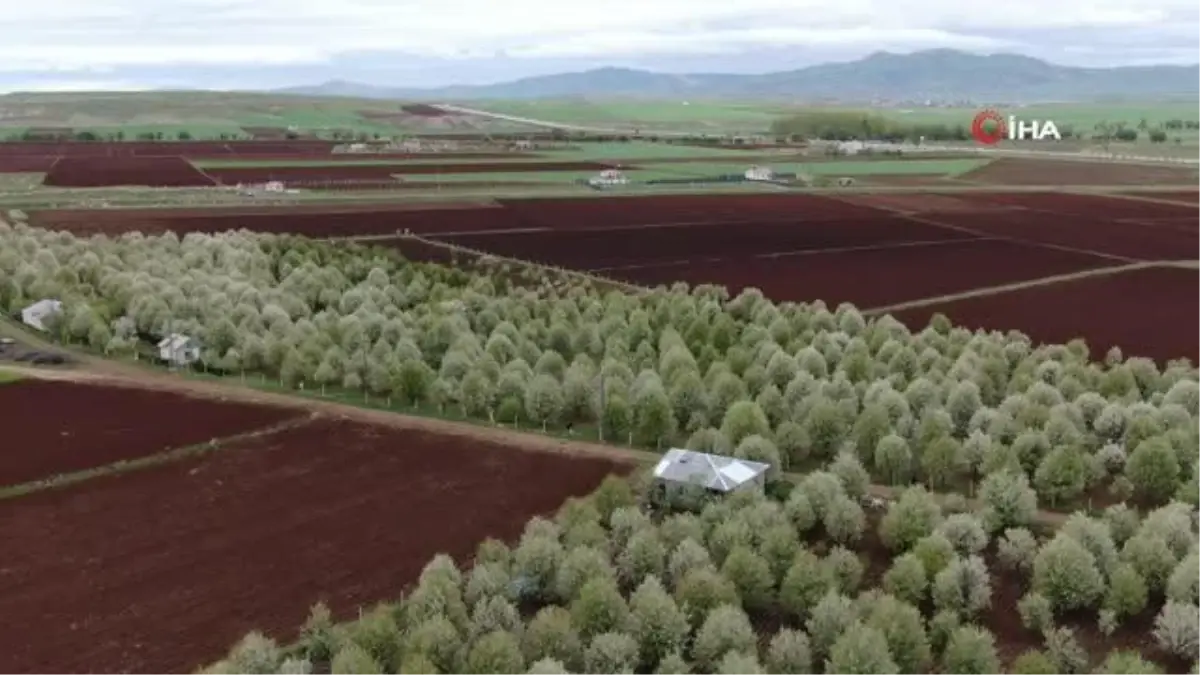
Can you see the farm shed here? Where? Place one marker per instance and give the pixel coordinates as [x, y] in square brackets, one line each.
[680, 469]
[178, 349]
[36, 314]
[609, 177]
[850, 147]
[760, 173]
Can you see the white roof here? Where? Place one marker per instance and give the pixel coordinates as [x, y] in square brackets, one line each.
[174, 341]
[715, 472]
[46, 305]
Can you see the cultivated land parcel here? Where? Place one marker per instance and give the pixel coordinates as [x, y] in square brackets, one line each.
[422, 369]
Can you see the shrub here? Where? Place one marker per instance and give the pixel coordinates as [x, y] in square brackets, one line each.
[1127, 593]
[860, 649]
[1066, 574]
[1177, 629]
[255, 654]
[789, 652]
[844, 520]
[318, 639]
[1017, 549]
[844, 569]
[656, 622]
[1153, 468]
[806, 582]
[935, 552]
[610, 653]
[829, 619]
[547, 667]
[1127, 662]
[438, 640]
[751, 576]
[1065, 651]
[739, 663]
[643, 556]
[727, 629]
[351, 659]
[970, 650]
[904, 629]
[1037, 614]
[673, 664]
[1008, 501]
[1184, 584]
[578, 566]
[1152, 557]
[913, 516]
[965, 587]
[599, 608]
[965, 533]
[703, 590]
[1033, 662]
[497, 652]
[550, 635]
[906, 579]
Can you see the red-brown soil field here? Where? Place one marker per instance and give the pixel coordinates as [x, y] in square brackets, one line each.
[1038, 171]
[644, 244]
[1190, 196]
[289, 174]
[1147, 312]
[922, 203]
[614, 211]
[423, 110]
[160, 570]
[193, 149]
[27, 163]
[1126, 239]
[116, 171]
[873, 277]
[58, 427]
[1097, 206]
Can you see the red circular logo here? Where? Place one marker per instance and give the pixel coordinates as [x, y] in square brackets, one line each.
[988, 127]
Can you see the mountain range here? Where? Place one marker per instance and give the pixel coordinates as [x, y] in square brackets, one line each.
[937, 74]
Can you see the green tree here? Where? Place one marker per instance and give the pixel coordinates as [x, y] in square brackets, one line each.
[970, 650]
[860, 649]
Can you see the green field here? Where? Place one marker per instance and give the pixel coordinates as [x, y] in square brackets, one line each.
[911, 167]
[678, 115]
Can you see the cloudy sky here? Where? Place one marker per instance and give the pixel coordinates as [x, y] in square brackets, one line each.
[225, 44]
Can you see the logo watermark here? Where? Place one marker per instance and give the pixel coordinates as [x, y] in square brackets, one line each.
[990, 127]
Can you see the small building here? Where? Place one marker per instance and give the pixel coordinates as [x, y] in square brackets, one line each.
[36, 315]
[850, 147]
[178, 349]
[760, 173]
[608, 177]
[273, 186]
[680, 469]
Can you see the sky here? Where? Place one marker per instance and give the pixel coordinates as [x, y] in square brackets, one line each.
[245, 44]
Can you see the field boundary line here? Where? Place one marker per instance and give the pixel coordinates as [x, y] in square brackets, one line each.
[795, 253]
[1001, 237]
[1015, 286]
[1135, 198]
[459, 233]
[591, 278]
[161, 458]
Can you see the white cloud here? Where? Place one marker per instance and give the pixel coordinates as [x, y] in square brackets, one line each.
[76, 35]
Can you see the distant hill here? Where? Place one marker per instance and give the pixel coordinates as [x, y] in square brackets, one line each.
[942, 74]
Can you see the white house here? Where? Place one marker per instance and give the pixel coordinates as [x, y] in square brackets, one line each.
[36, 314]
[609, 177]
[178, 349]
[760, 173]
[850, 147]
[717, 473]
[273, 186]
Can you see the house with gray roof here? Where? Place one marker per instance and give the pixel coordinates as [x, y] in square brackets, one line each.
[680, 469]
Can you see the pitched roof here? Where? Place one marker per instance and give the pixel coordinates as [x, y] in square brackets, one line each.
[174, 341]
[46, 305]
[715, 472]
